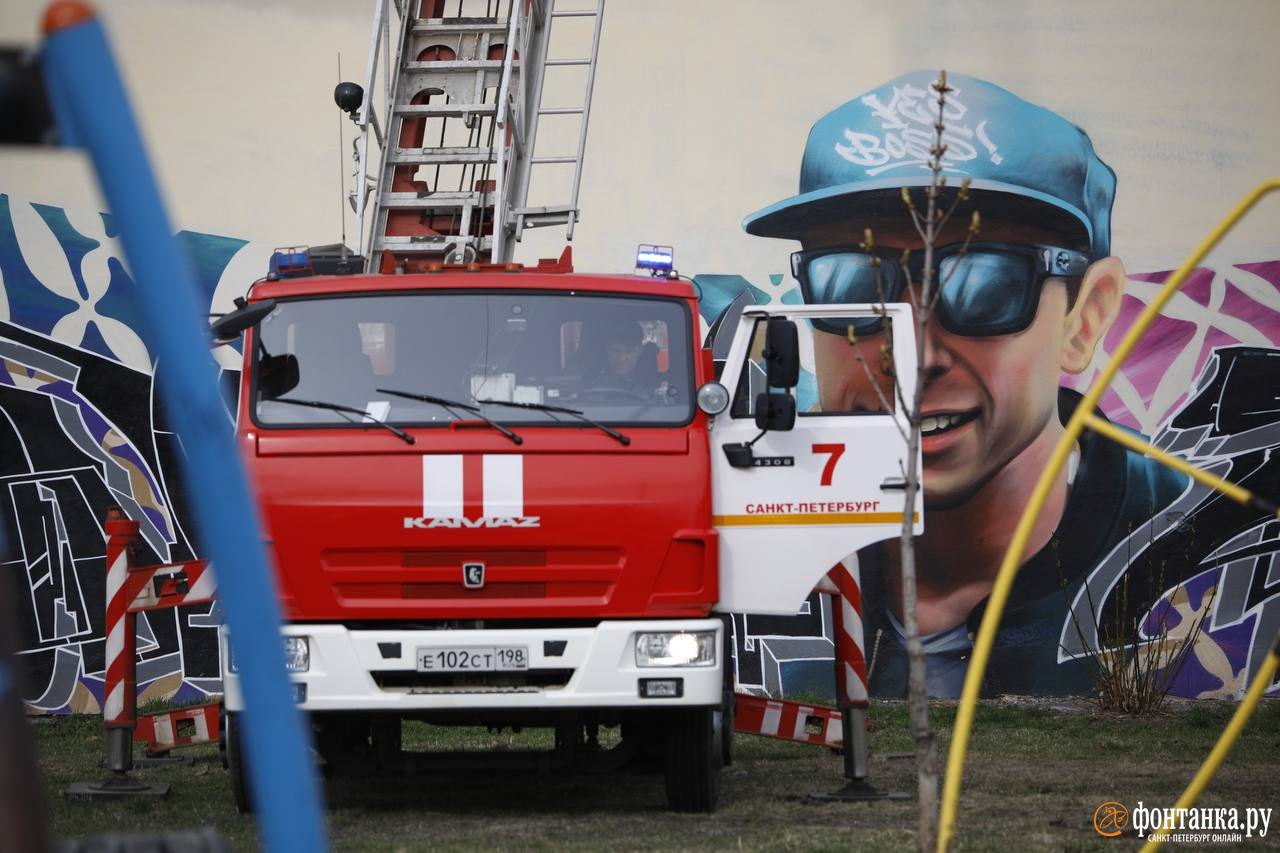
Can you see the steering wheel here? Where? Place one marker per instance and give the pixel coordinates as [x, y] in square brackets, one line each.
[602, 391]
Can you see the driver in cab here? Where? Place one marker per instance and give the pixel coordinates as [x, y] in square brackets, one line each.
[628, 364]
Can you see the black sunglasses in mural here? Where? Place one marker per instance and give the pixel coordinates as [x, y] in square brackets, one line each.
[988, 289]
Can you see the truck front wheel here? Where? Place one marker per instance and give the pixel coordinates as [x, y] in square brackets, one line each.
[236, 766]
[693, 759]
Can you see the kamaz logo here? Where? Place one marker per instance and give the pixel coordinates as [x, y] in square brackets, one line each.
[472, 491]
[428, 523]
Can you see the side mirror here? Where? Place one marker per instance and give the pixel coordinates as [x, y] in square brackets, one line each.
[776, 412]
[782, 354]
[230, 326]
[277, 375]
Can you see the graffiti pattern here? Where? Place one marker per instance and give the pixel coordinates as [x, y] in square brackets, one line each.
[81, 431]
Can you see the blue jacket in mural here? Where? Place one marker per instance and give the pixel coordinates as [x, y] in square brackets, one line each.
[1114, 492]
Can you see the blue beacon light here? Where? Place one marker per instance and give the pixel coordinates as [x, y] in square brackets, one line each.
[658, 260]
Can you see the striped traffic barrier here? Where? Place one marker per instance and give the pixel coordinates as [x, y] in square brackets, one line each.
[844, 727]
[131, 590]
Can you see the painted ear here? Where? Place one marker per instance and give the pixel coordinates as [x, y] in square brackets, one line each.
[1095, 309]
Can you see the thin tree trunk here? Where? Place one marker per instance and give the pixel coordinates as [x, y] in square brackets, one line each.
[926, 745]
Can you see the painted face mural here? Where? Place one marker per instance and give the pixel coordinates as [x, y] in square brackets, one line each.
[1028, 311]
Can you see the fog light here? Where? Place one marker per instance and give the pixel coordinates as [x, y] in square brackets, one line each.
[661, 688]
[297, 654]
[713, 398]
[676, 648]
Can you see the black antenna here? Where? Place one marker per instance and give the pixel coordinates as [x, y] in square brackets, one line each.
[342, 176]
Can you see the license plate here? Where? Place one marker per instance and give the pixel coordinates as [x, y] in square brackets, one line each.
[473, 659]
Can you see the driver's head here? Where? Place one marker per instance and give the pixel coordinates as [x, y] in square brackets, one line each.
[623, 341]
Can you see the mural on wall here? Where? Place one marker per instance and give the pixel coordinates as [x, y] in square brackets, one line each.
[1029, 312]
[81, 430]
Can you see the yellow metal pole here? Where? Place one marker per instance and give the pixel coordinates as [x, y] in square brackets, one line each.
[1018, 544]
[1131, 441]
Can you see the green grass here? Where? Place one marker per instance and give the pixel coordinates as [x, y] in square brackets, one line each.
[1033, 781]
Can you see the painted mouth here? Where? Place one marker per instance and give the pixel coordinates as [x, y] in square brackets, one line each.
[944, 422]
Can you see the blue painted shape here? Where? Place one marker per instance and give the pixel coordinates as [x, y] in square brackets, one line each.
[91, 106]
[39, 308]
[806, 391]
[209, 255]
[94, 341]
[74, 244]
[811, 677]
[716, 292]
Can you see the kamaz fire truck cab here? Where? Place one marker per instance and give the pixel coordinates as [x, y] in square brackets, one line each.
[507, 497]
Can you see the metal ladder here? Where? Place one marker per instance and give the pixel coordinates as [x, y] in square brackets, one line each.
[462, 118]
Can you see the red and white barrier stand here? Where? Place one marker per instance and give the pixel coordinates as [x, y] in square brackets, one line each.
[844, 727]
[165, 730]
[132, 590]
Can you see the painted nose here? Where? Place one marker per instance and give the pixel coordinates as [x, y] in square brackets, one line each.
[937, 353]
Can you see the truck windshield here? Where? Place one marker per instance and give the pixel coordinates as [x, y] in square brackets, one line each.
[617, 360]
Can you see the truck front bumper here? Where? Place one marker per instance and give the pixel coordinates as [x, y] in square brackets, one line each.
[377, 670]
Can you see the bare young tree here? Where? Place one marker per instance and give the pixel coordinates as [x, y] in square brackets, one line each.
[923, 296]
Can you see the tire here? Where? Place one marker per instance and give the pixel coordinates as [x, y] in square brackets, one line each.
[724, 726]
[222, 736]
[236, 766]
[729, 700]
[693, 757]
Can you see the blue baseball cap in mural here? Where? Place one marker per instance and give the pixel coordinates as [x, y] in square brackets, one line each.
[1025, 163]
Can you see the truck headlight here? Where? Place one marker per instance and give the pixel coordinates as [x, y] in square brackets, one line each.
[676, 648]
[297, 654]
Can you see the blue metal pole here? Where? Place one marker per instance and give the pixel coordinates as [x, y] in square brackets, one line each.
[94, 112]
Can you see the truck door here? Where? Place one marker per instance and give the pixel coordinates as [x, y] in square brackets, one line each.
[808, 497]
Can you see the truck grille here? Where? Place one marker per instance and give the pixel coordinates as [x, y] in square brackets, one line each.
[408, 681]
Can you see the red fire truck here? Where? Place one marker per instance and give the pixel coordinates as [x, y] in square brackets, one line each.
[520, 497]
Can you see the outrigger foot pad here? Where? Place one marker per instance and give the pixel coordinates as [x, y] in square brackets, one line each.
[116, 787]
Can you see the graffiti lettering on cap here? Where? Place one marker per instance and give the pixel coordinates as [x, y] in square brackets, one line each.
[907, 123]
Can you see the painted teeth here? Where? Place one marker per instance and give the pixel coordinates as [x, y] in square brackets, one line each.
[937, 423]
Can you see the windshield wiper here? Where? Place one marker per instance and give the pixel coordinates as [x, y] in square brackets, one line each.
[338, 407]
[450, 405]
[545, 407]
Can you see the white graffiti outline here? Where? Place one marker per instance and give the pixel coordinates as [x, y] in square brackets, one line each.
[907, 122]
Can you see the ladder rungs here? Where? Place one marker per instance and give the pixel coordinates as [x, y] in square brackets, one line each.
[428, 243]
[553, 210]
[566, 159]
[560, 111]
[413, 201]
[550, 62]
[576, 13]
[457, 25]
[456, 65]
[448, 110]
[544, 220]
[430, 156]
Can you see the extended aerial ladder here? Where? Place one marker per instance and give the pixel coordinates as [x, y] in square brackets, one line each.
[457, 141]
